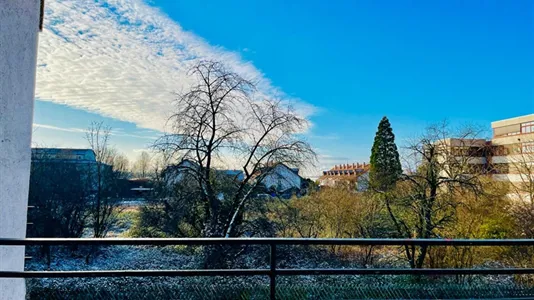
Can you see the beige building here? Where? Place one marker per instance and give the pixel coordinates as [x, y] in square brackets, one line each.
[471, 155]
[507, 157]
[513, 154]
[354, 174]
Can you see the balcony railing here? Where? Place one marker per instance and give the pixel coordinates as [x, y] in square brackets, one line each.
[273, 271]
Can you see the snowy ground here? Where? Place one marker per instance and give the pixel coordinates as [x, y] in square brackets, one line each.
[158, 258]
[302, 287]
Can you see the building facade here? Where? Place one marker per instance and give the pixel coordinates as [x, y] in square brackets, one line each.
[352, 174]
[507, 157]
[513, 154]
[282, 178]
[463, 156]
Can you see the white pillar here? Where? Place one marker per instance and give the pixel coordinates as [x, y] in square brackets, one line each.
[19, 28]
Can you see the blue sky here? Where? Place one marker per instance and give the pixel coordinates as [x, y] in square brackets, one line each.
[346, 64]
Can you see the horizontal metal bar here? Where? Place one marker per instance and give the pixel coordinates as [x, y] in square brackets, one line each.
[263, 241]
[259, 272]
[134, 273]
[380, 271]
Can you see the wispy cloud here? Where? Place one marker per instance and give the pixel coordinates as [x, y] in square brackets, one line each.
[330, 137]
[68, 129]
[83, 131]
[123, 59]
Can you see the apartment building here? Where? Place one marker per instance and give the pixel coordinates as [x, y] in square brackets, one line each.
[356, 173]
[471, 155]
[513, 154]
[507, 157]
[513, 145]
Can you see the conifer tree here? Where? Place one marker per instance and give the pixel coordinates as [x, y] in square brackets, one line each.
[385, 164]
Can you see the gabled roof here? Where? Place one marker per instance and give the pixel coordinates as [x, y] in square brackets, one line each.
[273, 167]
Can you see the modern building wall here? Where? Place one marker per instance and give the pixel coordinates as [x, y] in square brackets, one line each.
[508, 157]
[513, 147]
[19, 27]
[512, 121]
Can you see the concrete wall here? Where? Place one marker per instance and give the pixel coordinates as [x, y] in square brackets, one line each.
[515, 178]
[517, 159]
[513, 139]
[19, 25]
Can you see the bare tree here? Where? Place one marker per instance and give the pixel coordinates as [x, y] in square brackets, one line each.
[103, 177]
[143, 164]
[219, 120]
[118, 161]
[424, 199]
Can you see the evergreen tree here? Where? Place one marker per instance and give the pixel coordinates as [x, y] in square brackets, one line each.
[385, 164]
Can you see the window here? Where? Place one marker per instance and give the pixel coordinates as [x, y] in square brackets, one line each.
[527, 127]
[501, 168]
[527, 147]
[500, 150]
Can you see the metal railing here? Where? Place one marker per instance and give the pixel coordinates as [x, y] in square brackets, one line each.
[272, 271]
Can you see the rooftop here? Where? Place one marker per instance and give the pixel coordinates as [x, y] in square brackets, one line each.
[513, 121]
[347, 169]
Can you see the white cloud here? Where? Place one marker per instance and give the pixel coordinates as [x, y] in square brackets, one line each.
[123, 59]
[44, 126]
[114, 132]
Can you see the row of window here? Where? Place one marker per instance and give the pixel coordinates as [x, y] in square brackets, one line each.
[511, 133]
[518, 148]
[527, 127]
[343, 172]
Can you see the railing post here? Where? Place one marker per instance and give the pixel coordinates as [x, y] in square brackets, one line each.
[272, 274]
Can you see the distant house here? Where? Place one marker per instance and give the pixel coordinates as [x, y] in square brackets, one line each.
[280, 177]
[356, 174]
[174, 174]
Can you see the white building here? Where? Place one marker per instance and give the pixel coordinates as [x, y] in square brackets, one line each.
[282, 178]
